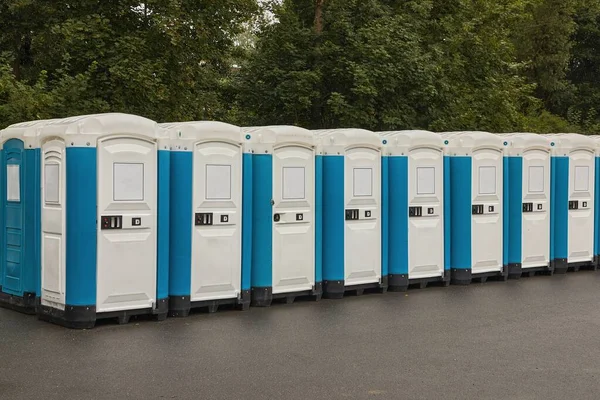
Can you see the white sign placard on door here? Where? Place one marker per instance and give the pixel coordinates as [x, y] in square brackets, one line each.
[218, 182]
[425, 180]
[363, 182]
[487, 180]
[13, 183]
[536, 179]
[582, 178]
[294, 181]
[128, 182]
[51, 183]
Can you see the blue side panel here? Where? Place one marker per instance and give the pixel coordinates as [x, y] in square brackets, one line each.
[333, 218]
[398, 215]
[561, 206]
[81, 235]
[505, 205]
[32, 226]
[2, 216]
[384, 216]
[460, 192]
[318, 219]
[447, 215]
[14, 247]
[515, 209]
[262, 224]
[246, 221]
[162, 241]
[597, 209]
[180, 243]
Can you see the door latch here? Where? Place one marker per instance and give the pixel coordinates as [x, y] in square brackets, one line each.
[202, 219]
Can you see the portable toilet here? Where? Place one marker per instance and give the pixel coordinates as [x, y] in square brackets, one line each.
[597, 203]
[529, 204]
[416, 212]
[279, 193]
[477, 195]
[105, 219]
[572, 209]
[349, 161]
[206, 217]
[20, 215]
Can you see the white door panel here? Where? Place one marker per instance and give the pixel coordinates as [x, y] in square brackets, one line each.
[581, 219]
[362, 194]
[486, 226]
[536, 209]
[127, 182]
[293, 221]
[53, 193]
[216, 247]
[426, 226]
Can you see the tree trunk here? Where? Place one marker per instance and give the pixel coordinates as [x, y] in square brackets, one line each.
[319, 16]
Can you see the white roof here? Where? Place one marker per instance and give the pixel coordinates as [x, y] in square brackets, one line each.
[28, 132]
[411, 138]
[471, 140]
[522, 141]
[102, 125]
[278, 134]
[202, 130]
[347, 137]
[566, 142]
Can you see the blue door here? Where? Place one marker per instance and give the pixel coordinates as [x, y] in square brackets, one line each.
[12, 245]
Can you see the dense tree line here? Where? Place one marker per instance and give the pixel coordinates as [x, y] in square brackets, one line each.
[497, 65]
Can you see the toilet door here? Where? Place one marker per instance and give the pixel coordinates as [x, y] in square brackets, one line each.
[486, 210]
[425, 213]
[216, 243]
[536, 209]
[126, 268]
[12, 246]
[581, 201]
[53, 224]
[293, 219]
[362, 197]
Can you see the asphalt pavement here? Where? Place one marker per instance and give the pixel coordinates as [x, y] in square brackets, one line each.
[535, 338]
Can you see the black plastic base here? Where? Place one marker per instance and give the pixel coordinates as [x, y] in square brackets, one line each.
[559, 265]
[515, 270]
[84, 317]
[532, 271]
[576, 266]
[263, 296]
[337, 289]
[400, 283]
[24, 304]
[466, 276]
[597, 262]
[180, 306]
[460, 276]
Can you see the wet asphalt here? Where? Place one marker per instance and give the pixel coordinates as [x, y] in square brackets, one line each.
[535, 338]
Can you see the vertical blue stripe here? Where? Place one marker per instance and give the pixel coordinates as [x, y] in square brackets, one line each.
[318, 219]
[398, 215]
[597, 208]
[81, 235]
[515, 210]
[246, 221]
[2, 216]
[561, 206]
[447, 215]
[181, 217]
[262, 224]
[163, 225]
[384, 216]
[505, 207]
[460, 188]
[31, 226]
[334, 222]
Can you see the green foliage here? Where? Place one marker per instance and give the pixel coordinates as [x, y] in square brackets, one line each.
[503, 65]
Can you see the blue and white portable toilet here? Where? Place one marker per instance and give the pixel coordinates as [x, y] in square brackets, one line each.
[279, 193]
[206, 217]
[572, 209]
[477, 195]
[350, 163]
[20, 218]
[529, 204]
[105, 219]
[416, 211]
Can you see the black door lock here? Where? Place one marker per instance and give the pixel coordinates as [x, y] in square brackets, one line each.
[276, 217]
[111, 222]
[527, 207]
[202, 219]
[574, 205]
[352, 215]
[299, 217]
[477, 209]
[415, 211]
